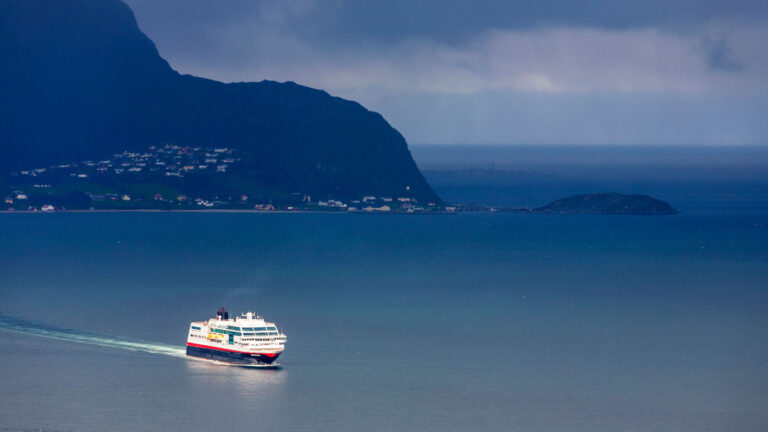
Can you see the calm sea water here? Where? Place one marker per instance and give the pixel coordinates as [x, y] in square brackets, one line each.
[491, 322]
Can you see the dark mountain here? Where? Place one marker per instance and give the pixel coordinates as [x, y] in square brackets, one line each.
[608, 203]
[80, 81]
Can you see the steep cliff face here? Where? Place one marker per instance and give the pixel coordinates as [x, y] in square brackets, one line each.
[79, 80]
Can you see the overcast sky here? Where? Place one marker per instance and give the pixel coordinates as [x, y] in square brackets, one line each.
[513, 71]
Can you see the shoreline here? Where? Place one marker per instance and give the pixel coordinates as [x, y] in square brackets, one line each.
[224, 211]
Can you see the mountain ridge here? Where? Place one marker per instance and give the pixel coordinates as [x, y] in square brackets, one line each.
[82, 81]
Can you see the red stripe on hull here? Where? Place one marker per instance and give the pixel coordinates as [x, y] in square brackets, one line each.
[229, 350]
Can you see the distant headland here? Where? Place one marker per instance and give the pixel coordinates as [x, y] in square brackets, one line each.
[88, 103]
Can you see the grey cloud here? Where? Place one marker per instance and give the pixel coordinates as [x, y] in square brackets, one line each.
[351, 22]
[719, 55]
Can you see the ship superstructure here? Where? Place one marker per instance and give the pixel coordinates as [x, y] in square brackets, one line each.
[243, 340]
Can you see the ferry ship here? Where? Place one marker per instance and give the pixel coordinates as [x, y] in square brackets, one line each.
[243, 340]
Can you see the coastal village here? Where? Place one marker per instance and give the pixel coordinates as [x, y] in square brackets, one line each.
[169, 160]
[152, 174]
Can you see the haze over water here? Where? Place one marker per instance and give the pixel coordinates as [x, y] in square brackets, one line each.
[475, 321]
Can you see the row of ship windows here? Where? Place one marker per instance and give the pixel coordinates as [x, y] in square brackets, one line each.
[271, 328]
[226, 332]
[236, 333]
[203, 337]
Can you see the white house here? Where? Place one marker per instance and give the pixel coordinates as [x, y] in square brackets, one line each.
[384, 208]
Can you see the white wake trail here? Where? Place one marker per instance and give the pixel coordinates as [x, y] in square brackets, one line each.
[19, 325]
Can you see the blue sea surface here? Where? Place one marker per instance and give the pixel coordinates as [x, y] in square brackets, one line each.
[475, 321]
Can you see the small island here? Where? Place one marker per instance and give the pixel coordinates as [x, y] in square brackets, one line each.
[606, 203]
